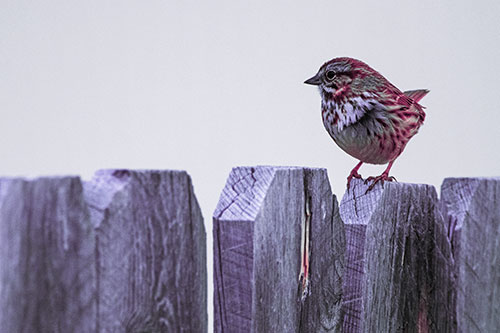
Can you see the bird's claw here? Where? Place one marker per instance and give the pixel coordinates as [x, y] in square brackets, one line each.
[382, 178]
[353, 174]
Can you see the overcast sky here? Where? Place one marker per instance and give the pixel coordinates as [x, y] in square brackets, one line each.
[208, 85]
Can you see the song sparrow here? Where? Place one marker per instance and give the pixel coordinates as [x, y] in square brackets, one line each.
[366, 115]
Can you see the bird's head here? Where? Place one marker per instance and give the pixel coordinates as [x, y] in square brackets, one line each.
[339, 73]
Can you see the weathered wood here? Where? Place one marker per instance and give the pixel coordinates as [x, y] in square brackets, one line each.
[151, 259]
[125, 252]
[269, 223]
[356, 209]
[472, 208]
[398, 260]
[47, 280]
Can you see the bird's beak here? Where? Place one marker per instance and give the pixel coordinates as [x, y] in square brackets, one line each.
[315, 80]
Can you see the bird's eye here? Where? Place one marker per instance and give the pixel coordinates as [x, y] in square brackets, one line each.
[330, 75]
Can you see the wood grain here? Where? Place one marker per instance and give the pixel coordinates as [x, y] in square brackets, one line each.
[124, 252]
[267, 220]
[150, 252]
[356, 209]
[472, 208]
[398, 260]
[47, 280]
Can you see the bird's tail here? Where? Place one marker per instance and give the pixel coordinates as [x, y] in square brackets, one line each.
[416, 95]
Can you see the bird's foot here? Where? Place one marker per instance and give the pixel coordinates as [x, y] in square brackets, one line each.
[383, 177]
[354, 174]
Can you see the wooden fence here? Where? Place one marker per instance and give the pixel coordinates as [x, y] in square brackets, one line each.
[126, 252]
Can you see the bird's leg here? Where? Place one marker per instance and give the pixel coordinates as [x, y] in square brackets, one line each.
[383, 177]
[354, 174]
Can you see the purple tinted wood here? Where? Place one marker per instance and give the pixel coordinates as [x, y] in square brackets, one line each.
[150, 252]
[266, 219]
[233, 229]
[356, 209]
[124, 252]
[47, 272]
[405, 283]
[472, 208]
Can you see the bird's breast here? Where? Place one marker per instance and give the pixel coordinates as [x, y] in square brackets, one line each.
[365, 145]
[373, 138]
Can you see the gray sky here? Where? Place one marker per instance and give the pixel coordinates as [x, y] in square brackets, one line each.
[205, 86]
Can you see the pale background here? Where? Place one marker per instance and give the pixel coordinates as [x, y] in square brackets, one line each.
[205, 86]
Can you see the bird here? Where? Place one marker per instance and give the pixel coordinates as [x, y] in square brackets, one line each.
[366, 115]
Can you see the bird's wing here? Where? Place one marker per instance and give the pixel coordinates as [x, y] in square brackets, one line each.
[397, 101]
[394, 99]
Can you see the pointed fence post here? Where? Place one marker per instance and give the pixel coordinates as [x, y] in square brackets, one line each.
[472, 209]
[278, 252]
[124, 252]
[398, 260]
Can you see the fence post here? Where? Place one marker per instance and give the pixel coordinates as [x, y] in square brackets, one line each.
[472, 208]
[278, 252]
[398, 260]
[47, 283]
[356, 208]
[123, 252]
